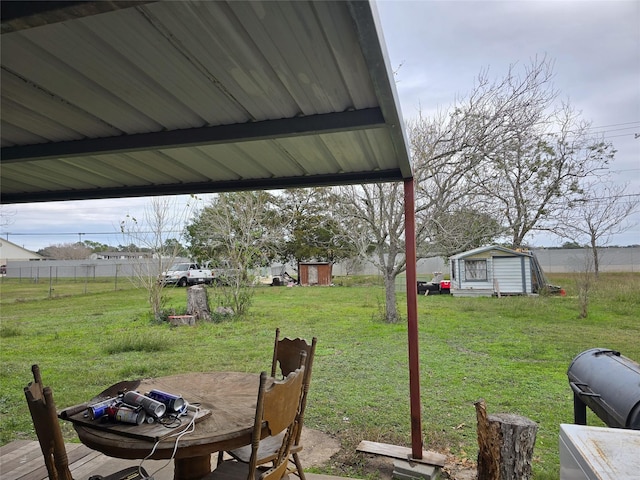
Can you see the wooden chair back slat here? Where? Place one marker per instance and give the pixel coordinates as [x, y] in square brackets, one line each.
[282, 402]
[278, 406]
[45, 421]
[275, 473]
[286, 356]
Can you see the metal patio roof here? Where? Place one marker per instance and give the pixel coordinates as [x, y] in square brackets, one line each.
[121, 99]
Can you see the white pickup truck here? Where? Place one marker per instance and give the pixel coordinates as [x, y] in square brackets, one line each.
[183, 274]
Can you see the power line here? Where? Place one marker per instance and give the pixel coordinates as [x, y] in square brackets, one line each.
[616, 136]
[606, 199]
[65, 233]
[616, 125]
[83, 233]
[615, 130]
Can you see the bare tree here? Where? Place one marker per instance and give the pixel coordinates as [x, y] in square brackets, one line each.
[505, 158]
[159, 231]
[376, 215]
[449, 218]
[241, 230]
[443, 149]
[459, 229]
[6, 216]
[585, 280]
[537, 154]
[603, 211]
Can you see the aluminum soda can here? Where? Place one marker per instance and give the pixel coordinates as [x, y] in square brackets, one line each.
[174, 403]
[99, 409]
[127, 414]
[152, 407]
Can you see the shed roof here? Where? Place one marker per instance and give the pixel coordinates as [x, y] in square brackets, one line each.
[120, 98]
[488, 248]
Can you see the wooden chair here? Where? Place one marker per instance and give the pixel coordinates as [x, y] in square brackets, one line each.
[286, 358]
[45, 420]
[278, 406]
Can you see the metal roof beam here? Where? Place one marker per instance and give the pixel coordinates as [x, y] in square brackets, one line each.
[206, 187]
[244, 132]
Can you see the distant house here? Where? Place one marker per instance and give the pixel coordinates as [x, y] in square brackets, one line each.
[9, 251]
[494, 270]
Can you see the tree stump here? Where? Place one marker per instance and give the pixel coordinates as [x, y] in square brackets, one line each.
[198, 303]
[505, 444]
[179, 320]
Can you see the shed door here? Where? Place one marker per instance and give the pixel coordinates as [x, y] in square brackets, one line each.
[509, 272]
[313, 275]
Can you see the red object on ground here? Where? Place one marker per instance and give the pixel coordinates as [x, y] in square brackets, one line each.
[445, 284]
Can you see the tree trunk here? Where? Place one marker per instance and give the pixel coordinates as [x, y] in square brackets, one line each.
[505, 444]
[391, 309]
[198, 303]
[596, 260]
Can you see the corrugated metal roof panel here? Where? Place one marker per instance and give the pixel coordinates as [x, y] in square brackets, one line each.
[168, 96]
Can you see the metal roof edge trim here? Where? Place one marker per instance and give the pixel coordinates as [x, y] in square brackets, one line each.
[367, 23]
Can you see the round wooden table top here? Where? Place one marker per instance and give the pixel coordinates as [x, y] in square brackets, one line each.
[230, 397]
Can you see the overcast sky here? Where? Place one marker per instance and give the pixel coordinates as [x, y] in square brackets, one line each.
[438, 48]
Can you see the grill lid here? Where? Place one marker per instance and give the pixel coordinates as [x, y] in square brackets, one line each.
[609, 384]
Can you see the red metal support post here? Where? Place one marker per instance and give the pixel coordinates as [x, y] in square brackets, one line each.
[412, 317]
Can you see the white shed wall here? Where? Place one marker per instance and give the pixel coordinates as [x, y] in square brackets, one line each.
[512, 274]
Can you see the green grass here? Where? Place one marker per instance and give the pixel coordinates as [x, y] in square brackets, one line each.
[513, 352]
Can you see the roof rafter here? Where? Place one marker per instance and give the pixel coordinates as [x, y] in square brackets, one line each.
[269, 129]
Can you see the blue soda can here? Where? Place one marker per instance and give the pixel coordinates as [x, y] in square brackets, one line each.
[99, 409]
[174, 403]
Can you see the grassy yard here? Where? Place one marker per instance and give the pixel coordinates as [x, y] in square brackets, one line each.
[513, 352]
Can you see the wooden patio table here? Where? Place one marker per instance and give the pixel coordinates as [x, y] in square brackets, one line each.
[230, 397]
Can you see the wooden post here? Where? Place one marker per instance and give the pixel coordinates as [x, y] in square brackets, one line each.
[198, 303]
[505, 444]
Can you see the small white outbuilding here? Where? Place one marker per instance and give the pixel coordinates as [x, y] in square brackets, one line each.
[495, 270]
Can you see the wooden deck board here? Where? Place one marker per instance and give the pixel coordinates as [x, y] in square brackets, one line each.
[22, 460]
[403, 453]
[15, 462]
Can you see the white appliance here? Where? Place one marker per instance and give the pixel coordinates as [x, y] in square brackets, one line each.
[599, 453]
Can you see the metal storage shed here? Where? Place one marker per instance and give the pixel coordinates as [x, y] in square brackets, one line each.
[315, 273]
[134, 98]
[493, 270]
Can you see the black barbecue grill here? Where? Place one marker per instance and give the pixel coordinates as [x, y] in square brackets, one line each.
[609, 384]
